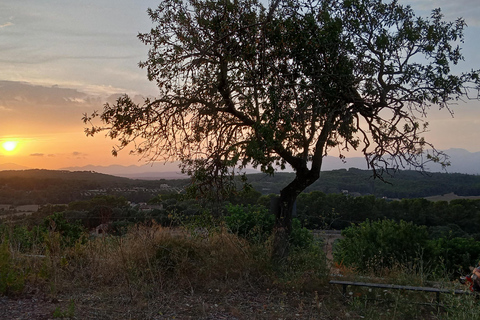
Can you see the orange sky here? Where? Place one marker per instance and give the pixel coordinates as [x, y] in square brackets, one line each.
[47, 124]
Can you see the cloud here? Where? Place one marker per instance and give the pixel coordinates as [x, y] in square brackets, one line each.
[79, 155]
[25, 107]
[23, 94]
[467, 9]
[37, 155]
[2, 109]
[8, 24]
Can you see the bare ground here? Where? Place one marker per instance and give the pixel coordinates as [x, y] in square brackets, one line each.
[212, 304]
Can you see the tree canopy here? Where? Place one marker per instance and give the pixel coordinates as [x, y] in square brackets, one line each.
[242, 83]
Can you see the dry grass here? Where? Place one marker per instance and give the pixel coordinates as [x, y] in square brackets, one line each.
[160, 273]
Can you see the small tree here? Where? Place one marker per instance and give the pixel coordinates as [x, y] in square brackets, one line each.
[240, 83]
[374, 246]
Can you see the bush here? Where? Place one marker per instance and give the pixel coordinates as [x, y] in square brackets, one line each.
[22, 238]
[300, 237]
[457, 254]
[70, 232]
[373, 246]
[254, 223]
[12, 279]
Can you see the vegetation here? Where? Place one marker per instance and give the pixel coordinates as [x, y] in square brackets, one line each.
[61, 187]
[379, 245]
[148, 260]
[44, 187]
[219, 266]
[402, 184]
[286, 84]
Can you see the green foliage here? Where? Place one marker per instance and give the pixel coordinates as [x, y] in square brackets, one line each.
[70, 232]
[403, 184]
[460, 307]
[23, 238]
[200, 224]
[372, 246]
[457, 254]
[300, 237]
[68, 313]
[254, 223]
[12, 278]
[110, 201]
[457, 218]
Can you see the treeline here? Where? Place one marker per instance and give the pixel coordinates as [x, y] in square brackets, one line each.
[318, 210]
[400, 185]
[19, 187]
[50, 186]
[459, 218]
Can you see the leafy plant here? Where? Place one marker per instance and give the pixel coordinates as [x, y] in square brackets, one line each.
[12, 279]
[71, 232]
[68, 313]
[254, 223]
[457, 254]
[382, 244]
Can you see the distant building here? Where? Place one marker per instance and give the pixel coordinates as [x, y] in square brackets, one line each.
[149, 207]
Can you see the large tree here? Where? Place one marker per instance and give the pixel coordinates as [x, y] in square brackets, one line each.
[240, 83]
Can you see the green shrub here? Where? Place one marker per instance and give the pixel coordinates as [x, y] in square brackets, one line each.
[300, 237]
[373, 246]
[12, 279]
[22, 238]
[254, 223]
[457, 254]
[70, 232]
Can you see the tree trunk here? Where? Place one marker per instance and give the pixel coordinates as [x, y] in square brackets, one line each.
[284, 213]
[283, 225]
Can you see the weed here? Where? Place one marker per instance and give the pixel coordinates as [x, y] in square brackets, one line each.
[68, 313]
[12, 279]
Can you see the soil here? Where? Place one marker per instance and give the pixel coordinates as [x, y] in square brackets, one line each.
[32, 308]
[210, 305]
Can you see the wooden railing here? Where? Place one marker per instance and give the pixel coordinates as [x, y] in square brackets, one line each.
[437, 291]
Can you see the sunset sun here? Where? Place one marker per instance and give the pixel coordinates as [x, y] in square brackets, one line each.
[9, 145]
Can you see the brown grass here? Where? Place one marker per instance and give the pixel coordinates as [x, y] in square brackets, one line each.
[159, 273]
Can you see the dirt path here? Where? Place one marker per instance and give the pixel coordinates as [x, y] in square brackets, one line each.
[328, 237]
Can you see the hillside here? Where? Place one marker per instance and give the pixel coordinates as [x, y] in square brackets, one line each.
[61, 186]
[403, 184]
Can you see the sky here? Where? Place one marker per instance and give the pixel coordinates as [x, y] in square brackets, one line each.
[60, 59]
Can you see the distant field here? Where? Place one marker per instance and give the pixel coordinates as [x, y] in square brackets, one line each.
[7, 210]
[449, 197]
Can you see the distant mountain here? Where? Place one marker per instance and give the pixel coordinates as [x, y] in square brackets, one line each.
[62, 186]
[62, 176]
[156, 171]
[462, 161]
[12, 166]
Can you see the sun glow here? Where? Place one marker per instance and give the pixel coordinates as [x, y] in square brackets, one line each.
[9, 145]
